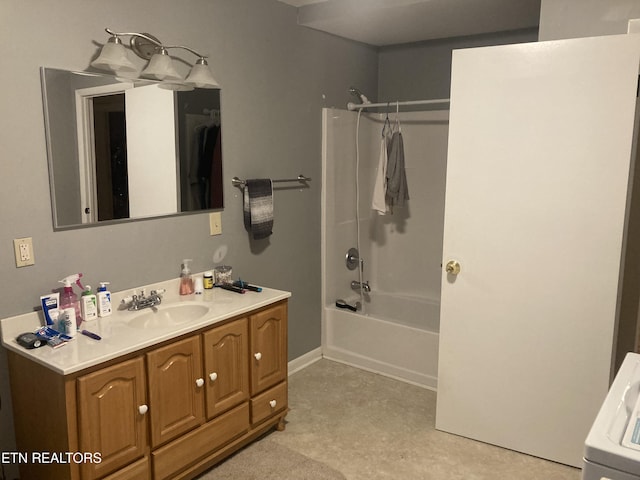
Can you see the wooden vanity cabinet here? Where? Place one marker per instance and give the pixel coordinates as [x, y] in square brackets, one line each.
[170, 411]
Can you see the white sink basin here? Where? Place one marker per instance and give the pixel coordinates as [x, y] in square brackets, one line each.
[168, 316]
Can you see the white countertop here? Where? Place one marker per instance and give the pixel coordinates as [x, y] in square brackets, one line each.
[120, 338]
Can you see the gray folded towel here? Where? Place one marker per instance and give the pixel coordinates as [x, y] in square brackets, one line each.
[258, 207]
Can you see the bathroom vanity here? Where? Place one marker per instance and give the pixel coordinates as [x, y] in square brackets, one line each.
[161, 395]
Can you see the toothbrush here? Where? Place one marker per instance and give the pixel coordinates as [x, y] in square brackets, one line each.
[232, 288]
[91, 334]
[246, 286]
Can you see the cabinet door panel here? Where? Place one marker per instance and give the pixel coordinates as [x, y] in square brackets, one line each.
[109, 418]
[226, 349]
[268, 347]
[175, 389]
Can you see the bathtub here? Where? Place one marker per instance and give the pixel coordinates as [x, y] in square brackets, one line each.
[393, 335]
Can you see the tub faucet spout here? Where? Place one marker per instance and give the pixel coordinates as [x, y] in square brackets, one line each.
[355, 285]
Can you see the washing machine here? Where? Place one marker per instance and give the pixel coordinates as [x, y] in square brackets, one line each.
[612, 448]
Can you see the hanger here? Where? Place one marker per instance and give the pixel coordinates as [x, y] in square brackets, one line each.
[387, 122]
[214, 116]
[398, 116]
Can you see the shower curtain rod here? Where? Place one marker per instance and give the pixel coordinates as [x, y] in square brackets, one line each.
[357, 106]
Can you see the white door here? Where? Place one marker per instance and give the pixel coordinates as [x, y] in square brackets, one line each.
[85, 125]
[538, 162]
[151, 151]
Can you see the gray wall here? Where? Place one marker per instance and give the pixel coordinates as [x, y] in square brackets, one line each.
[422, 71]
[585, 18]
[276, 77]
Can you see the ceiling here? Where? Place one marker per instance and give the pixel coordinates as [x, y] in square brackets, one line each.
[390, 22]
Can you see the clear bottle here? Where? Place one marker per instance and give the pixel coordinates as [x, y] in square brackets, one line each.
[70, 322]
[186, 281]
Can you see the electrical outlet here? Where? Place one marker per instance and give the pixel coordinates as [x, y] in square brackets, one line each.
[23, 248]
[215, 223]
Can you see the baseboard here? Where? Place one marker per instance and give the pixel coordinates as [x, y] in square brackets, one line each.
[305, 360]
[363, 363]
[381, 368]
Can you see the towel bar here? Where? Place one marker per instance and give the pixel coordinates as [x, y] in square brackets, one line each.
[300, 178]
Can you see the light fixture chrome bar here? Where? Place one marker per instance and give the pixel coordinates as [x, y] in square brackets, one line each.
[153, 40]
[358, 106]
[134, 34]
[187, 48]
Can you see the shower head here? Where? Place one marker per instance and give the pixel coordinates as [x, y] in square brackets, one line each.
[357, 93]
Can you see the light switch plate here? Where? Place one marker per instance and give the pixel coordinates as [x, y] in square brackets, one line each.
[215, 223]
[23, 248]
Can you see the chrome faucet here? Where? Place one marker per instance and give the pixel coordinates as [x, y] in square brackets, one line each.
[355, 285]
[138, 302]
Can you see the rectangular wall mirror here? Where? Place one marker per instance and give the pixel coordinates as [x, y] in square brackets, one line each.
[121, 150]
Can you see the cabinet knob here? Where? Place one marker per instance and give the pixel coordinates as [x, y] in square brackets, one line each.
[143, 409]
[200, 382]
[257, 355]
[273, 403]
[213, 376]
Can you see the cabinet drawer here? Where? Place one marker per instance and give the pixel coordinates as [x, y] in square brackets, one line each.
[268, 403]
[136, 471]
[189, 448]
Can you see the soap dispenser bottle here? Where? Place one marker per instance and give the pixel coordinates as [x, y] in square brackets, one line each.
[88, 305]
[186, 281]
[69, 300]
[104, 300]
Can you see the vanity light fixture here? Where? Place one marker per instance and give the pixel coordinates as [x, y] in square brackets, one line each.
[113, 56]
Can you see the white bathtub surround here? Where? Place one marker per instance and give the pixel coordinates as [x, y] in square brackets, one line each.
[396, 332]
[381, 346]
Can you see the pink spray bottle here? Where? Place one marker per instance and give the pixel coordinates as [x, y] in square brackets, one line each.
[69, 300]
